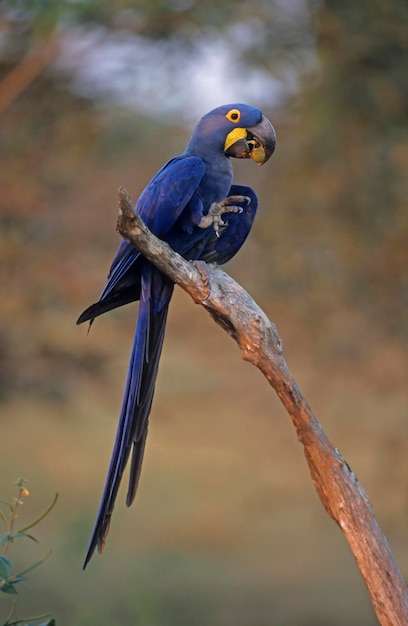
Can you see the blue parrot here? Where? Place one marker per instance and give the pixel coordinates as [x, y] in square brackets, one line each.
[184, 205]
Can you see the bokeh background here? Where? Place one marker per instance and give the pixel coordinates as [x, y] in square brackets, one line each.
[226, 528]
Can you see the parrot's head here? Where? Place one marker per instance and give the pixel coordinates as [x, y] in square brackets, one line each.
[237, 130]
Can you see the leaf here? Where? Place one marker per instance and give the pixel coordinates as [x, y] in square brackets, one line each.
[8, 588]
[4, 538]
[47, 510]
[10, 506]
[5, 563]
[6, 560]
[17, 579]
[4, 518]
[30, 567]
[23, 534]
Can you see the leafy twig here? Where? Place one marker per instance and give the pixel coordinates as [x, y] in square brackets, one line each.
[9, 582]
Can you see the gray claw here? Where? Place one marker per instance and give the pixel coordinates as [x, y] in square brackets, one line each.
[217, 209]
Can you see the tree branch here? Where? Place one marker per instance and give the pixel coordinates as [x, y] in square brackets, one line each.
[338, 488]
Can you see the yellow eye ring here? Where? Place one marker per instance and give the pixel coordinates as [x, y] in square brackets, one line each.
[234, 115]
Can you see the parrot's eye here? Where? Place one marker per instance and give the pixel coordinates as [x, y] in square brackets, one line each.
[233, 115]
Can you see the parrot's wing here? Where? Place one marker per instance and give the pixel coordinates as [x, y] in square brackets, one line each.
[239, 225]
[169, 192]
[160, 205]
[220, 249]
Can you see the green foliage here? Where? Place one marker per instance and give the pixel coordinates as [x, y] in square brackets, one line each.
[10, 582]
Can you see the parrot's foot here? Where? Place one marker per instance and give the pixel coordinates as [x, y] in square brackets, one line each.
[217, 209]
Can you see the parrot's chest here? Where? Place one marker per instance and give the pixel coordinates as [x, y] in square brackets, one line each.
[215, 183]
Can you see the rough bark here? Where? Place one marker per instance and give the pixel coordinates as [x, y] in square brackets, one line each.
[338, 488]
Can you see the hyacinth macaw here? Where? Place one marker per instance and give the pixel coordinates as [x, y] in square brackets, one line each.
[183, 204]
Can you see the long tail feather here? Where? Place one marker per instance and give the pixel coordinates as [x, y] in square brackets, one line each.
[133, 419]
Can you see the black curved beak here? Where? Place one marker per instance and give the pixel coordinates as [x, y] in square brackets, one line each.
[257, 143]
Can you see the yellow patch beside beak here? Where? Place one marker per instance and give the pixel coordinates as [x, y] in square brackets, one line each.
[233, 136]
[258, 154]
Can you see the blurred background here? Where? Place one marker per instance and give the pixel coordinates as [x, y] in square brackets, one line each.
[226, 528]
